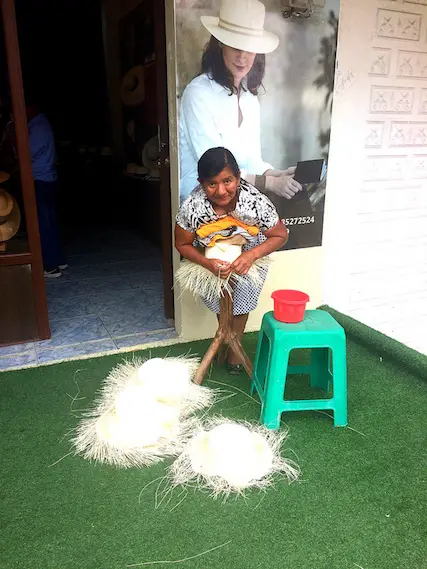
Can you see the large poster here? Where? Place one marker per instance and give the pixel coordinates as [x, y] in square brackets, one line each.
[279, 114]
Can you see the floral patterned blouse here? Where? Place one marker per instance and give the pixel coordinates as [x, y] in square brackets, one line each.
[252, 208]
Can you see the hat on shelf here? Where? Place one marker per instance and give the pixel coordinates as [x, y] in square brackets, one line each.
[6, 203]
[4, 176]
[10, 216]
[132, 90]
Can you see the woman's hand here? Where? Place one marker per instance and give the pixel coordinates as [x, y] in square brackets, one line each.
[276, 238]
[282, 183]
[243, 263]
[218, 267]
[184, 243]
[277, 173]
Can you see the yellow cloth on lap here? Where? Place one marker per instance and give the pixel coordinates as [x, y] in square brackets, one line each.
[219, 225]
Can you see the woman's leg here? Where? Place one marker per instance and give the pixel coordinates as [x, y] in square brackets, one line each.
[246, 295]
[239, 325]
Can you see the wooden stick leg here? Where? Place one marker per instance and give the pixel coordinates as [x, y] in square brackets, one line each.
[222, 354]
[226, 320]
[224, 337]
[237, 348]
[207, 360]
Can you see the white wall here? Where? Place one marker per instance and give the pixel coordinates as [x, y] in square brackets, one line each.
[375, 231]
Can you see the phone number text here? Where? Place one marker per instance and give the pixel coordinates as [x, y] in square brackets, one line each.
[298, 220]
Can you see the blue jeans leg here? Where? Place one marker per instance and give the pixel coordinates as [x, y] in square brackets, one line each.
[49, 234]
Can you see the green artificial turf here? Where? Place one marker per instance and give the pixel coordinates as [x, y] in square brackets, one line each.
[361, 501]
[381, 343]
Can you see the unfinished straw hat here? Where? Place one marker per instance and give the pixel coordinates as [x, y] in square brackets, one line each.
[241, 25]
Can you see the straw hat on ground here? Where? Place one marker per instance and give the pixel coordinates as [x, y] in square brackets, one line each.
[241, 25]
[150, 156]
[10, 216]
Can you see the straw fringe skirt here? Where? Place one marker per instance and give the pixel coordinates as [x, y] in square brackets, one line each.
[246, 295]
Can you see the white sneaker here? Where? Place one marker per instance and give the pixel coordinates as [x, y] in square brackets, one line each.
[53, 274]
[63, 267]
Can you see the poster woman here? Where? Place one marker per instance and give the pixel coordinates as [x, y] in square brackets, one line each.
[220, 107]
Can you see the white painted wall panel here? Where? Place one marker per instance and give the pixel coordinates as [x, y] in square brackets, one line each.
[376, 216]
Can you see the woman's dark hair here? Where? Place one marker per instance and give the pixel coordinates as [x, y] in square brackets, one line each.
[213, 161]
[213, 65]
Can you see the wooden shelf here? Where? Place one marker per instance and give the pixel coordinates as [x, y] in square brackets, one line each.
[17, 253]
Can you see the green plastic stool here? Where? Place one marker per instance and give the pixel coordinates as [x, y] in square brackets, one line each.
[318, 331]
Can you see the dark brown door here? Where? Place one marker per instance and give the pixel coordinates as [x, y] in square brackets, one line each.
[22, 292]
[165, 189]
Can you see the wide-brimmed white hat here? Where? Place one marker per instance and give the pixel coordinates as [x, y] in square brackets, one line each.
[241, 25]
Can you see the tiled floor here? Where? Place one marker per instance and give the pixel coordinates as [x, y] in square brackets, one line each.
[110, 298]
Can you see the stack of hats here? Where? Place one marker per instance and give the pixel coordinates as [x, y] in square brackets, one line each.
[150, 157]
[10, 217]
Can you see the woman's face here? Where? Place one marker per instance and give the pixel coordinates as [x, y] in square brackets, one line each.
[238, 62]
[221, 190]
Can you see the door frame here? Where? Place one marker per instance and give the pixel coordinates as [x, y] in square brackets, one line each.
[159, 8]
[34, 255]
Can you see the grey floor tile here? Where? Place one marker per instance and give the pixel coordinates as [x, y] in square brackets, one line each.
[150, 257]
[134, 324]
[97, 269]
[148, 338]
[83, 349]
[16, 349]
[74, 330]
[62, 287]
[126, 304]
[69, 306]
[149, 279]
[18, 360]
[114, 285]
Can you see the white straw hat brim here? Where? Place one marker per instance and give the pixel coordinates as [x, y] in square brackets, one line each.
[266, 42]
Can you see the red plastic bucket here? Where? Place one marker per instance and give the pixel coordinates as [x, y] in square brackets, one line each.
[289, 305]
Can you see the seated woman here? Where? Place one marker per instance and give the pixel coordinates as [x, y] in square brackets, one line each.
[225, 206]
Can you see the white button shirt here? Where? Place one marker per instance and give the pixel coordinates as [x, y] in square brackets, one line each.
[209, 118]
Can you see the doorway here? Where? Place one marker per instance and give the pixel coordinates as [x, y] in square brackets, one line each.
[113, 202]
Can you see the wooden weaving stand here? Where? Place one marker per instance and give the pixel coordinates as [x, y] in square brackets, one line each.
[224, 337]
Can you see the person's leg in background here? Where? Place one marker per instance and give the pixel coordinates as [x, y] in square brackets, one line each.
[52, 254]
